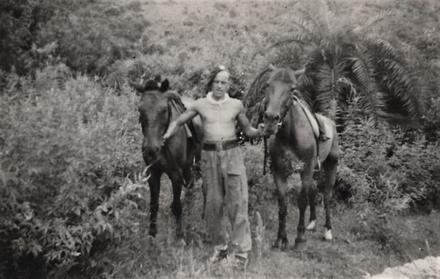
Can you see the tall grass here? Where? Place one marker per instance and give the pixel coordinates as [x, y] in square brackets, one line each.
[64, 152]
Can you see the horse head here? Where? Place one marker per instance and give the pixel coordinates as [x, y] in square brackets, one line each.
[154, 115]
[279, 90]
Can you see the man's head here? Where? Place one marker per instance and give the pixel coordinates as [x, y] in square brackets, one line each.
[219, 82]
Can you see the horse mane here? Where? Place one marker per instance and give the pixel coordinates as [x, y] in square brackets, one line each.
[175, 97]
[285, 75]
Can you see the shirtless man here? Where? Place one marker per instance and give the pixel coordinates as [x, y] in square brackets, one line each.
[223, 170]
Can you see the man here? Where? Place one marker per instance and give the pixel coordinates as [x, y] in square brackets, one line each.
[223, 170]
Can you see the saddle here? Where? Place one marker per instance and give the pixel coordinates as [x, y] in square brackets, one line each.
[190, 129]
[316, 120]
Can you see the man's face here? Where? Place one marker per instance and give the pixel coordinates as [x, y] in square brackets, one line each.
[220, 85]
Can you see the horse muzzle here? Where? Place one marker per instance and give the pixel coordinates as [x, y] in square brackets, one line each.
[271, 123]
[150, 153]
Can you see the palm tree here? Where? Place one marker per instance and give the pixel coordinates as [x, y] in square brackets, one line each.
[343, 64]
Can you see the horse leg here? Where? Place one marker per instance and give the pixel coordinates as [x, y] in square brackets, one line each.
[188, 198]
[307, 184]
[312, 202]
[176, 205]
[281, 184]
[330, 166]
[154, 183]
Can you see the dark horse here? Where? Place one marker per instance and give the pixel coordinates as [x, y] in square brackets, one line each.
[157, 108]
[293, 129]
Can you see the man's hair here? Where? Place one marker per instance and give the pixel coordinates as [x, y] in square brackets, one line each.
[212, 76]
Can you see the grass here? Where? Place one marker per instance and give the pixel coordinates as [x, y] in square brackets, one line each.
[363, 244]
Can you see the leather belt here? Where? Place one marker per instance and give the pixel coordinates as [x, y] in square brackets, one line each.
[220, 145]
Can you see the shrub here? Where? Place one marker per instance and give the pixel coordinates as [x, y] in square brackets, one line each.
[66, 158]
[381, 167]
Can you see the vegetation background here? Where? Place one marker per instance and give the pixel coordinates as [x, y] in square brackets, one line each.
[71, 202]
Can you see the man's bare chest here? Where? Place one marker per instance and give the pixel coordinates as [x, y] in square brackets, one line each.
[219, 113]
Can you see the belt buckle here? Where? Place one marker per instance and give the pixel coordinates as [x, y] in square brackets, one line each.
[219, 146]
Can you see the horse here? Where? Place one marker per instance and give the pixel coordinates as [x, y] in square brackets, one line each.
[157, 108]
[291, 128]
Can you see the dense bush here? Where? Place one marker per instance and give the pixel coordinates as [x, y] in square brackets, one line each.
[94, 36]
[387, 170]
[86, 35]
[66, 158]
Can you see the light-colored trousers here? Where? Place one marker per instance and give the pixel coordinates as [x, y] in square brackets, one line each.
[226, 198]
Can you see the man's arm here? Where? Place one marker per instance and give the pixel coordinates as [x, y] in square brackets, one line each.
[182, 119]
[246, 124]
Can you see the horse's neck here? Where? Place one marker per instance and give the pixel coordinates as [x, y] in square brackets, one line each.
[176, 111]
[295, 124]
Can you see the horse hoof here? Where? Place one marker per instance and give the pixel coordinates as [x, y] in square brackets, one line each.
[152, 232]
[300, 244]
[328, 235]
[281, 244]
[284, 245]
[311, 226]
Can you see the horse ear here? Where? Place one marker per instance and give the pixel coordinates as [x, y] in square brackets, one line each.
[165, 85]
[139, 87]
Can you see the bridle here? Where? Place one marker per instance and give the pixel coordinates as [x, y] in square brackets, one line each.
[292, 99]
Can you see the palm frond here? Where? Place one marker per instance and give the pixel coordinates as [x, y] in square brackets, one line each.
[326, 86]
[296, 38]
[255, 92]
[304, 26]
[399, 90]
[372, 21]
[382, 49]
[362, 76]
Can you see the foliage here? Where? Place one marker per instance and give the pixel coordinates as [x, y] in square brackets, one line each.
[94, 36]
[69, 199]
[86, 35]
[66, 156]
[16, 22]
[341, 61]
[386, 169]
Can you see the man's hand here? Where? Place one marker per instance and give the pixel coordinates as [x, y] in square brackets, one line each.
[261, 129]
[170, 131]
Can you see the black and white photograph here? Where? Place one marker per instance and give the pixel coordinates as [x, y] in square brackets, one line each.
[219, 139]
